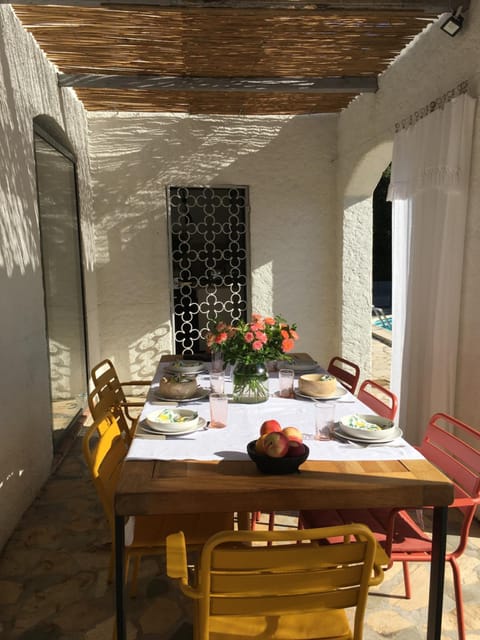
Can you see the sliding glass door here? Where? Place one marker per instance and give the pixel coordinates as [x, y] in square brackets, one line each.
[62, 277]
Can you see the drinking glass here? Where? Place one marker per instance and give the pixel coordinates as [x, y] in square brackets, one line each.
[217, 363]
[324, 419]
[218, 410]
[217, 381]
[285, 380]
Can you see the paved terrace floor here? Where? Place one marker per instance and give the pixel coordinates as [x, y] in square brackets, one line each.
[53, 576]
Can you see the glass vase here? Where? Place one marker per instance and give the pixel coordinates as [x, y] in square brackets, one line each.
[250, 383]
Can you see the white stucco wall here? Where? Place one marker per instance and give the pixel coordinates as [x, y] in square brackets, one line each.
[27, 89]
[287, 164]
[432, 65]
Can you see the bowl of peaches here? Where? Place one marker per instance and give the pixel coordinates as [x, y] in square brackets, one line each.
[278, 450]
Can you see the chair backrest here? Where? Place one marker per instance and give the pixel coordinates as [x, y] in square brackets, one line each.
[285, 578]
[347, 372]
[104, 376]
[104, 450]
[378, 398]
[102, 400]
[454, 448]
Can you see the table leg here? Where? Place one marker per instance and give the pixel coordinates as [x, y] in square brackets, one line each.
[437, 573]
[119, 544]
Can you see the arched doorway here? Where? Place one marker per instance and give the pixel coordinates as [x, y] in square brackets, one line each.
[357, 255]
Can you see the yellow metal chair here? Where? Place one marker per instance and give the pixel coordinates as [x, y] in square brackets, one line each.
[102, 400]
[104, 449]
[105, 379]
[297, 588]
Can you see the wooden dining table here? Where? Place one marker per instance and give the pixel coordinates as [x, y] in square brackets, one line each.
[161, 486]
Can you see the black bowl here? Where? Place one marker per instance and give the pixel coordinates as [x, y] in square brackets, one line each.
[276, 466]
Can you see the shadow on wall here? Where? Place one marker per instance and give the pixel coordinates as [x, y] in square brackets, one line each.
[19, 241]
[133, 160]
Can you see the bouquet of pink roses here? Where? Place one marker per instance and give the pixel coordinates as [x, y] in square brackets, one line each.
[260, 340]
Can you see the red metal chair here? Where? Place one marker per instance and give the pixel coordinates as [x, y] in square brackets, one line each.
[348, 373]
[381, 400]
[454, 448]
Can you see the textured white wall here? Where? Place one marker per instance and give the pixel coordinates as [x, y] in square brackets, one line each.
[287, 163]
[432, 65]
[27, 89]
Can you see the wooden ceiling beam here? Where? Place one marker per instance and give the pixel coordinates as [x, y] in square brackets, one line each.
[328, 6]
[360, 84]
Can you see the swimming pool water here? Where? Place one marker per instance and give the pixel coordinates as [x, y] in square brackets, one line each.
[384, 325]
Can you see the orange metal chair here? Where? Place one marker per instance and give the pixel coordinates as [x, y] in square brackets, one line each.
[454, 448]
[105, 378]
[348, 373]
[104, 449]
[296, 588]
[381, 400]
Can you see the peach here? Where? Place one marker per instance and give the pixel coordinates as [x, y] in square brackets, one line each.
[276, 444]
[270, 425]
[293, 433]
[259, 444]
[295, 449]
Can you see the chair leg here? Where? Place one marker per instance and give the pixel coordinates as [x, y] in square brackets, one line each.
[136, 566]
[271, 525]
[406, 580]
[271, 521]
[111, 567]
[255, 517]
[458, 598]
[127, 566]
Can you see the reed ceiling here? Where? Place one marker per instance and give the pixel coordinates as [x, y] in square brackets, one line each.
[233, 58]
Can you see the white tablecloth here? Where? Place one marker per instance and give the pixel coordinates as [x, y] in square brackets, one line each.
[243, 425]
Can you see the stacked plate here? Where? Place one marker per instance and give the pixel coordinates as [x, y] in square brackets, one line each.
[366, 429]
[186, 367]
[339, 393]
[299, 366]
[173, 422]
[199, 394]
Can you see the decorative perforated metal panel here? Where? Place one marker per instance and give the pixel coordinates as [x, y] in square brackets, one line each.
[209, 256]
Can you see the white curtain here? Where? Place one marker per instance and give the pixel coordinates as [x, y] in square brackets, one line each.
[429, 193]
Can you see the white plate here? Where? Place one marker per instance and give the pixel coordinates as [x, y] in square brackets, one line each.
[171, 419]
[340, 392]
[349, 425]
[397, 433]
[201, 424]
[201, 393]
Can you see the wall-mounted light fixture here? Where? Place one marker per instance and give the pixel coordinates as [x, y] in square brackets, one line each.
[454, 23]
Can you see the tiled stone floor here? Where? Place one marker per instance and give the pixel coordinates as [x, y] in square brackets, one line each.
[53, 574]
[53, 578]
